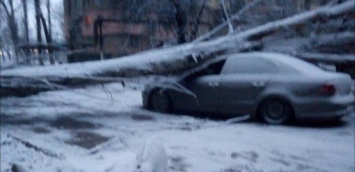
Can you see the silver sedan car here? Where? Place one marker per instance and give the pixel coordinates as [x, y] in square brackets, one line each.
[271, 87]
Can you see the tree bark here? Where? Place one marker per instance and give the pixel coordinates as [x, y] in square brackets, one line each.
[25, 24]
[48, 38]
[181, 18]
[13, 26]
[25, 20]
[49, 18]
[48, 31]
[41, 20]
[11, 20]
[198, 20]
[39, 31]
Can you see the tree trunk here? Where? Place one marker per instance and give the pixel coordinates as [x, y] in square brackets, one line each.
[49, 30]
[10, 16]
[25, 20]
[39, 19]
[8, 54]
[39, 30]
[48, 38]
[198, 20]
[181, 18]
[25, 24]
[13, 26]
[49, 17]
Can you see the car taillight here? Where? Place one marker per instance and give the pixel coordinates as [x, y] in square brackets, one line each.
[328, 89]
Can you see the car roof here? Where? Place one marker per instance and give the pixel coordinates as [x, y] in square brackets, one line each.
[283, 59]
[286, 60]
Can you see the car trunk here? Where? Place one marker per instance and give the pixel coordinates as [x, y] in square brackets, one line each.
[342, 83]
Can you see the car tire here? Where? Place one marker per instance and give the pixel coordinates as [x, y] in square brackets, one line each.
[160, 101]
[276, 111]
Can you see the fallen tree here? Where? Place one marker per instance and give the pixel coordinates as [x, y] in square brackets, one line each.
[160, 61]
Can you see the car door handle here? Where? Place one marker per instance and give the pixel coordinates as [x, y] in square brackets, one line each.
[213, 84]
[258, 84]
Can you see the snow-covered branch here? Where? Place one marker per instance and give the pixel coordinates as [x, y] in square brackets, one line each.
[323, 57]
[327, 11]
[226, 23]
[166, 60]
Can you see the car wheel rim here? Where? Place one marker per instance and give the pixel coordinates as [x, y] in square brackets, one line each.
[275, 110]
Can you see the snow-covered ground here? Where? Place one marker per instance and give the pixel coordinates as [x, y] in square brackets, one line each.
[105, 128]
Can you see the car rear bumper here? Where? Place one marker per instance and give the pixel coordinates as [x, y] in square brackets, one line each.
[332, 108]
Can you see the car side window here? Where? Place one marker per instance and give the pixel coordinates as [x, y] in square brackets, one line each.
[248, 65]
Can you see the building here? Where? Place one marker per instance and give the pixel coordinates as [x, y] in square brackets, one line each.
[127, 26]
[113, 28]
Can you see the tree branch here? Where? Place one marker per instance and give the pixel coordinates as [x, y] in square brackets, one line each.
[324, 57]
[5, 8]
[327, 11]
[225, 23]
[168, 60]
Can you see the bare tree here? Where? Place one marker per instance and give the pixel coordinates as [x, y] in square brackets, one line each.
[49, 18]
[225, 23]
[25, 19]
[26, 30]
[6, 43]
[181, 17]
[39, 30]
[198, 16]
[225, 15]
[57, 14]
[11, 21]
[41, 20]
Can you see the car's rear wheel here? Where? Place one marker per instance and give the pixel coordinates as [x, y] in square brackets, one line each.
[160, 101]
[276, 111]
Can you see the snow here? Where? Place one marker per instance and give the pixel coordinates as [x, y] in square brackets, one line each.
[113, 118]
[153, 157]
[4, 64]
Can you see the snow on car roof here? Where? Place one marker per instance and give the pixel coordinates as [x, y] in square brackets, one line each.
[290, 61]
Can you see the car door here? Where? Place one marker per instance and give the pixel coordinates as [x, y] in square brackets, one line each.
[205, 89]
[204, 84]
[243, 80]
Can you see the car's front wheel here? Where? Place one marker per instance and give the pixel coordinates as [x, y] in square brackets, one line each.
[160, 101]
[276, 111]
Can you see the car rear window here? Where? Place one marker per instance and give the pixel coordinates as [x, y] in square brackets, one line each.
[299, 65]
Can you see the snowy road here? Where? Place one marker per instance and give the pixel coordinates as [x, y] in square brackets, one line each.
[104, 128]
